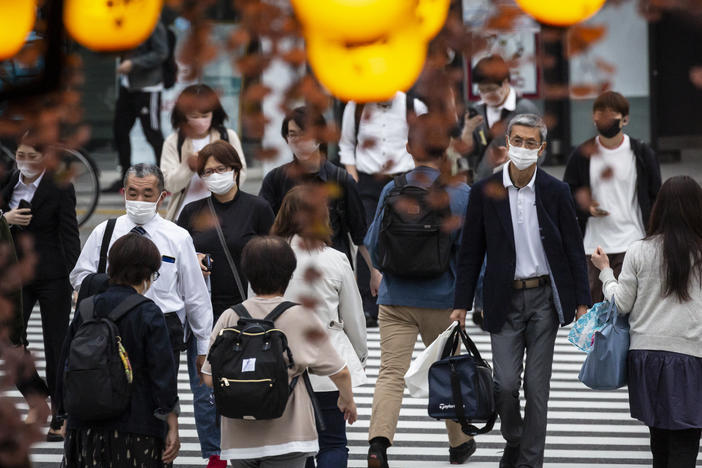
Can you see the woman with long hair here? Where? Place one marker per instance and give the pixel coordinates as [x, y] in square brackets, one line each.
[660, 288]
[198, 120]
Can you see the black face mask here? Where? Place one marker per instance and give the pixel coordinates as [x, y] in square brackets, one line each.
[609, 130]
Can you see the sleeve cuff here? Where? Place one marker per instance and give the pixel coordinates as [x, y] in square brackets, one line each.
[331, 373]
[203, 346]
[163, 414]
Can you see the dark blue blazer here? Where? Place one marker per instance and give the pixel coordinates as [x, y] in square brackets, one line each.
[488, 230]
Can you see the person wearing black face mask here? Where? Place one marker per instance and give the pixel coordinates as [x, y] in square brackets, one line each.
[614, 180]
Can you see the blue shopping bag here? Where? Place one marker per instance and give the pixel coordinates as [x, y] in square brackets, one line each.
[583, 332]
[605, 365]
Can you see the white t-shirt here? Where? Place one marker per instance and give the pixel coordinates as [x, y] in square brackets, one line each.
[197, 190]
[613, 186]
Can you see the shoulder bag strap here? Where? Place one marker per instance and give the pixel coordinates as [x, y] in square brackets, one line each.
[87, 308]
[223, 242]
[105, 246]
[241, 311]
[358, 113]
[129, 303]
[278, 311]
[468, 429]
[179, 145]
[315, 404]
[224, 135]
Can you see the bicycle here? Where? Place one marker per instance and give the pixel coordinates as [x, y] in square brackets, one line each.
[74, 167]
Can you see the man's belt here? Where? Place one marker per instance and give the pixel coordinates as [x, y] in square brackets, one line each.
[530, 283]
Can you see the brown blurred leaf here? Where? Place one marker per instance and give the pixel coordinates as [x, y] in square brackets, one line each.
[495, 190]
[452, 223]
[581, 37]
[607, 173]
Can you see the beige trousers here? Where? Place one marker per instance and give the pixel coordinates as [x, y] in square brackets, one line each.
[399, 326]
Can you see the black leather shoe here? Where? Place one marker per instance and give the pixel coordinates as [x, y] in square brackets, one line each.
[509, 457]
[377, 456]
[459, 455]
[371, 322]
[54, 434]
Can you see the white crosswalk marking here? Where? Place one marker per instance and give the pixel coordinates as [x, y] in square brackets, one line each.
[585, 427]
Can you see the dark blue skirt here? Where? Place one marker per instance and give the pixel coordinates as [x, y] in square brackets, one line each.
[664, 389]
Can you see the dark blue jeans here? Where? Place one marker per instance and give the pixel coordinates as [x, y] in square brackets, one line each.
[332, 442]
[206, 420]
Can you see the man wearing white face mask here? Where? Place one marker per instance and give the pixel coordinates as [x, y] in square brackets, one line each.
[181, 292]
[535, 279]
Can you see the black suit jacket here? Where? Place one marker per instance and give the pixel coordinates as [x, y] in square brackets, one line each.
[488, 230]
[54, 227]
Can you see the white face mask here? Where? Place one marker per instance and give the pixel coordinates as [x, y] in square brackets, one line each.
[522, 158]
[28, 170]
[303, 147]
[140, 212]
[220, 184]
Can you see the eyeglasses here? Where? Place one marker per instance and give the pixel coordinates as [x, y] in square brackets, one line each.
[521, 143]
[155, 275]
[218, 170]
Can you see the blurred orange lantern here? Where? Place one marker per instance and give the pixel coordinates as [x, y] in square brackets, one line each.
[560, 12]
[16, 21]
[111, 25]
[367, 50]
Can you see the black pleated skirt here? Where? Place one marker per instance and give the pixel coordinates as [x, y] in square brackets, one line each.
[664, 389]
[90, 448]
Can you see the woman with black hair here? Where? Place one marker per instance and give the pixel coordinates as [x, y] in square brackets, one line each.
[198, 119]
[660, 288]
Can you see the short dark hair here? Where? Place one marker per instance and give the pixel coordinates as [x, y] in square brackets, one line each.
[613, 101]
[223, 152]
[132, 260]
[268, 262]
[307, 118]
[198, 98]
[429, 133]
[490, 70]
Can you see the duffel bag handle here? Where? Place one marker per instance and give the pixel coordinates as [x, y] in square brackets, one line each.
[468, 429]
[452, 345]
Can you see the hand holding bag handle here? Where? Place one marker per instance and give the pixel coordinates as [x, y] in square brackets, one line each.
[450, 348]
[223, 242]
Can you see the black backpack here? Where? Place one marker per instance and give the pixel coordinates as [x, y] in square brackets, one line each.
[97, 379]
[412, 242]
[170, 66]
[249, 370]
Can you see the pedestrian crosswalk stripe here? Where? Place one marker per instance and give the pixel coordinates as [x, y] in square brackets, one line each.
[586, 428]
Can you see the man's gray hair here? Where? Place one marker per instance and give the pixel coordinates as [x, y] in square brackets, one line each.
[142, 170]
[531, 121]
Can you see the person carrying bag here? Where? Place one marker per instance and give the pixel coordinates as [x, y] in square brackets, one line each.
[461, 387]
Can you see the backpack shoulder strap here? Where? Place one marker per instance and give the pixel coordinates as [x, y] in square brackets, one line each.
[400, 180]
[87, 308]
[105, 246]
[241, 311]
[358, 113]
[179, 145]
[126, 305]
[223, 133]
[278, 311]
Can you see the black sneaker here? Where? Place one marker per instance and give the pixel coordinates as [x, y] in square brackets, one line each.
[459, 455]
[509, 457]
[371, 322]
[377, 456]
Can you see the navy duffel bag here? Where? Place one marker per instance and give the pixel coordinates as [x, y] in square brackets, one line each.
[461, 387]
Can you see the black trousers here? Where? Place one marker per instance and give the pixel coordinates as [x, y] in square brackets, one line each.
[132, 105]
[54, 297]
[674, 449]
[369, 187]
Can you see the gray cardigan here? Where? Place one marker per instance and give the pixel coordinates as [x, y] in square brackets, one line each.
[657, 322]
[147, 60]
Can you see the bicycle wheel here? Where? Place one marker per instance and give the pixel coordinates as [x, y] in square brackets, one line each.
[76, 168]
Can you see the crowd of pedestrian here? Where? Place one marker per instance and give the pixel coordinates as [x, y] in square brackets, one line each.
[269, 296]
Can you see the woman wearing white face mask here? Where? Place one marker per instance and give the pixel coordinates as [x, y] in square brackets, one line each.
[198, 119]
[241, 217]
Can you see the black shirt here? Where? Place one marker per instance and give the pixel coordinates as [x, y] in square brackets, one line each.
[241, 219]
[346, 213]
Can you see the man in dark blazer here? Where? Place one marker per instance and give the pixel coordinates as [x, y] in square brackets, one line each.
[51, 226]
[535, 279]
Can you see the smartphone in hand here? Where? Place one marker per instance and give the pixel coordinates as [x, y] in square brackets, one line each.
[24, 204]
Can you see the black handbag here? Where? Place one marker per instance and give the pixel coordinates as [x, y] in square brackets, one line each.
[461, 387]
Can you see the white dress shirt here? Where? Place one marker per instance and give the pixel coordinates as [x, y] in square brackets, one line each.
[494, 114]
[180, 287]
[24, 191]
[531, 258]
[337, 303]
[383, 124]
